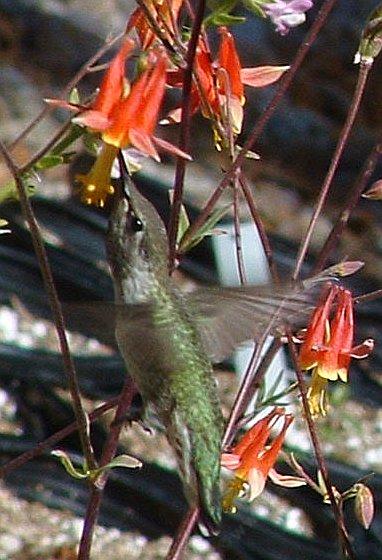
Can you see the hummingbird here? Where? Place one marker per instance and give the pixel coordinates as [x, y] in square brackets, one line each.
[169, 340]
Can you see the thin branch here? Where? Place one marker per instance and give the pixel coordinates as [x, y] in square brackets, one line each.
[55, 306]
[108, 453]
[52, 440]
[350, 203]
[184, 139]
[256, 369]
[237, 231]
[377, 294]
[182, 535]
[257, 130]
[321, 463]
[342, 141]
[260, 228]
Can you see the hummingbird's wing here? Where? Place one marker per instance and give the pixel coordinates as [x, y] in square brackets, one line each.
[226, 317]
[95, 319]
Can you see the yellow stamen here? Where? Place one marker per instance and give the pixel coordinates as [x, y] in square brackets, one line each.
[235, 489]
[97, 183]
[317, 396]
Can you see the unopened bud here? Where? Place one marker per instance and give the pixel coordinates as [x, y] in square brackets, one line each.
[364, 505]
[371, 41]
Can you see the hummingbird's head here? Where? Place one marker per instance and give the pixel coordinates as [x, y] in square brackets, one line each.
[136, 239]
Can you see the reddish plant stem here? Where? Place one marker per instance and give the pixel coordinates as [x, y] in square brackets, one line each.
[342, 141]
[40, 448]
[351, 202]
[184, 138]
[321, 463]
[108, 453]
[237, 229]
[368, 297]
[267, 114]
[183, 534]
[55, 306]
[68, 88]
[260, 228]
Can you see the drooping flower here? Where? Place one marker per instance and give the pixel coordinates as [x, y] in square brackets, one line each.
[327, 347]
[317, 332]
[252, 460]
[286, 14]
[164, 13]
[218, 86]
[125, 116]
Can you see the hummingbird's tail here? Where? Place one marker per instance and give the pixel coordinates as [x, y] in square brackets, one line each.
[210, 506]
[198, 453]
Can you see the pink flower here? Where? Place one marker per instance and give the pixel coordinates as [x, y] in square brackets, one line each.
[287, 14]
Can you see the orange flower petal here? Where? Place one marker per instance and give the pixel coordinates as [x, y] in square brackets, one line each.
[93, 119]
[229, 60]
[262, 76]
[112, 85]
[317, 332]
[142, 141]
[168, 147]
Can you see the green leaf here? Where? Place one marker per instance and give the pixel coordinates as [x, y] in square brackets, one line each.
[220, 13]
[221, 5]
[68, 465]
[68, 156]
[74, 133]
[46, 162]
[74, 97]
[208, 228]
[124, 461]
[254, 6]
[273, 388]
[223, 19]
[9, 190]
[184, 222]
[91, 143]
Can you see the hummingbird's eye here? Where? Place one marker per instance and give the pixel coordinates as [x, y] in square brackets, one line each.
[136, 224]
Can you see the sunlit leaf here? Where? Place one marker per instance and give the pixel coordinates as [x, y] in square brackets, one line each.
[184, 222]
[49, 161]
[124, 461]
[68, 465]
[207, 229]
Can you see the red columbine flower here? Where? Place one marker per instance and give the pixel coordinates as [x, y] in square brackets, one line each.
[219, 86]
[335, 357]
[252, 460]
[328, 347]
[125, 116]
